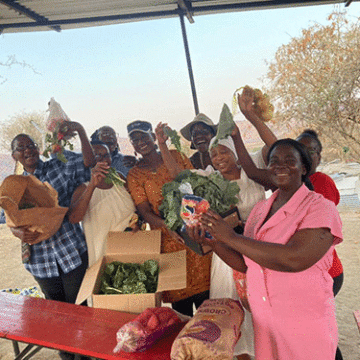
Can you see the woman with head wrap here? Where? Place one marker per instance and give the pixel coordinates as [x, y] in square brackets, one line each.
[224, 159]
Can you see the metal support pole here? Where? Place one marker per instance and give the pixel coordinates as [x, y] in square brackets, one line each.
[188, 60]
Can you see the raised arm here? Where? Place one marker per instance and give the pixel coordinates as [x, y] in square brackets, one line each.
[170, 163]
[261, 176]
[69, 128]
[246, 105]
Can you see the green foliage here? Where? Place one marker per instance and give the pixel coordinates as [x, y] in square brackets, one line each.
[174, 138]
[130, 278]
[220, 193]
[226, 125]
[113, 177]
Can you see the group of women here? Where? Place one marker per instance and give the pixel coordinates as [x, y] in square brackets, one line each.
[278, 268]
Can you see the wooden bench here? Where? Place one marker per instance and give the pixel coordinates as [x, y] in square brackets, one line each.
[73, 328]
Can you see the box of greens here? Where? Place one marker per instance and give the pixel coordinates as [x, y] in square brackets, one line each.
[132, 274]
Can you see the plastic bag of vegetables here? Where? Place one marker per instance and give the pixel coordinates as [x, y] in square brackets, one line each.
[219, 192]
[147, 328]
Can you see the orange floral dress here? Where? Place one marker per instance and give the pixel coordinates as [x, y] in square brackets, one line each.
[145, 186]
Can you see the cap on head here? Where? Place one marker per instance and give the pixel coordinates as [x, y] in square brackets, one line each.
[139, 125]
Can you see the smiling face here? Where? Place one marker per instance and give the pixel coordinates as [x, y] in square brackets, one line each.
[108, 136]
[313, 149]
[201, 135]
[102, 153]
[143, 143]
[286, 168]
[223, 160]
[26, 151]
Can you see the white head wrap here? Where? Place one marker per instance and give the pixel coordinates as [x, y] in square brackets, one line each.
[227, 142]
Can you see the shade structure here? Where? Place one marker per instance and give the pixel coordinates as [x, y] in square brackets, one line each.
[55, 15]
[18, 16]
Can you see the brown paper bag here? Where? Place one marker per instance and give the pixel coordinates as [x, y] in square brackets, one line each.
[45, 215]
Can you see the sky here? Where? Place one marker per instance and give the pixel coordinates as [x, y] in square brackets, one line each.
[112, 75]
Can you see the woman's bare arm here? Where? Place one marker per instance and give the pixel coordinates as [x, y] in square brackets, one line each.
[303, 250]
[170, 163]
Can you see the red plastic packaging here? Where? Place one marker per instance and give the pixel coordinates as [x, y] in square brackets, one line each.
[147, 328]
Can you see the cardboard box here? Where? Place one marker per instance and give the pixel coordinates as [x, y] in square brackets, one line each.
[232, 217]
[134, 248]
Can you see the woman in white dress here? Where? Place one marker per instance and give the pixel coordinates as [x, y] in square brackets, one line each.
[222, 285]
[100, 206]
[226, 157]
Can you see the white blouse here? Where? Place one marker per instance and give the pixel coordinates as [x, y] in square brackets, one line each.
[109, 210]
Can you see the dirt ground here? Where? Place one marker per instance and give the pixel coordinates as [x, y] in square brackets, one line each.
[348, 300]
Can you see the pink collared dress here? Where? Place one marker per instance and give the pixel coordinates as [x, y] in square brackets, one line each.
[293, 313]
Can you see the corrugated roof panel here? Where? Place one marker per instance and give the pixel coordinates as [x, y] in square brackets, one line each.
[8, 15]
[81, 9]
[50, 14]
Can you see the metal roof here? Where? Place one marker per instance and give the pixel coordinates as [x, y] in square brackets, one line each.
[56, 15]
[38, 15]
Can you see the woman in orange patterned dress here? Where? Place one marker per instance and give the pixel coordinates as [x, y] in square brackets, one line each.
[145, 181]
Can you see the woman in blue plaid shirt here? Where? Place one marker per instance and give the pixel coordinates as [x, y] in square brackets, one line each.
[59, 263]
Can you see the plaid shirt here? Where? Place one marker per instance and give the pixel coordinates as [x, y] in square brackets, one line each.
[117, 162]
[66, 246]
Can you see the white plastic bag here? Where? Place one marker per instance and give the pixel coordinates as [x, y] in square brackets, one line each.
[56, 115]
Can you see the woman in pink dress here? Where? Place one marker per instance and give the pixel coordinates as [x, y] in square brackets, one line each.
[286, 252]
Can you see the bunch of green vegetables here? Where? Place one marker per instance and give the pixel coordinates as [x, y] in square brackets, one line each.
[130, 278]
[225, 126]
[220, 193]
[112, 177]
[174, 138]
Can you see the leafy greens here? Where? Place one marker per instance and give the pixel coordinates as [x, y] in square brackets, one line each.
[220, 193]
[112, 177]
[174, 138]
[130, 278]
[225, 126]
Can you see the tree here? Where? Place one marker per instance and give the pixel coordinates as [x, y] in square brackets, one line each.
[32, 124]
[314, 82]
[12, 61]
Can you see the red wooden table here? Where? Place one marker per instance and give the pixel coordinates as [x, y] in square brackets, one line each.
[72, 328]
